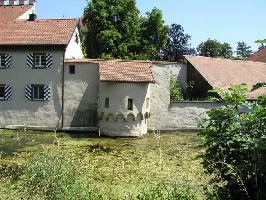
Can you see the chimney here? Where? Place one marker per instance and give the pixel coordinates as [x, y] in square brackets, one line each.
[32, 17]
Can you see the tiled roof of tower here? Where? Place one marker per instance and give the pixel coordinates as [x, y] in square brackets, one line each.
[10, 13]
[259, 56]
[38, 32]
[126, 71]
[220, 73]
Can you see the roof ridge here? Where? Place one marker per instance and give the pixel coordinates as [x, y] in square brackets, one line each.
[218, 58]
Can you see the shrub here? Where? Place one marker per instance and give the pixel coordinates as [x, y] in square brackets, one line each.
[235, 139]
[55, 175]
[175, 90]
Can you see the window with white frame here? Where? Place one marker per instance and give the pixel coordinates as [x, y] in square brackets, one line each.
[39, 60]
[2, 92]
[2, 61]
[37, 92]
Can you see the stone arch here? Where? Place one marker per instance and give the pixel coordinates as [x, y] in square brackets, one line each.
[120, 117]
[140, 116]
[131, 116]
[101, 116]
[109, 116]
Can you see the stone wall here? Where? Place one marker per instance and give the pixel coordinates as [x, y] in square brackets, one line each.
[80, 96]
[166, 115]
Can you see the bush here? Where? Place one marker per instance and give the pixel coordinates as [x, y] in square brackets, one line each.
[235, 139]
[175, 90]
[160, 192]
[55, 175]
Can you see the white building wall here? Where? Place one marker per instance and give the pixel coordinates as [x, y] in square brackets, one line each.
[19, 112]
[117, 120]
[26, 14]
[74, 48]
[80, 96]
[176, 115]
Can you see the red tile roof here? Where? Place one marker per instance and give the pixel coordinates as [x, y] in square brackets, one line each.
[220, 73]
[256, 93]
[259, 56]
[38, 32]
[15, 31]
[10, 13]
[84, 60]
[126, 71]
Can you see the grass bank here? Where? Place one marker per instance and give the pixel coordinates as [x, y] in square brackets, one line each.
[117, 168]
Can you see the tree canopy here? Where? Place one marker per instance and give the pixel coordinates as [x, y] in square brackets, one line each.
[178, 44]
[214, 48]
[243, 50]
[153, 34]
[114, 29]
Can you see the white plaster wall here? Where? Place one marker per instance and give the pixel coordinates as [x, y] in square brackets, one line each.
[34, 114]
[173, 116]
[80, 95]
[117, 120]
[74, 49]
[160, 96]
[187, 115]
[26, 14]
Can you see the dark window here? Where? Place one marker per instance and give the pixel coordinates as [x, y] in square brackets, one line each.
[2, 61]
[147, 103]
[130, 104]
[37, 92]
[76, 38]
[106, 103]
[72, 69]
[2, 92]
[39, 60]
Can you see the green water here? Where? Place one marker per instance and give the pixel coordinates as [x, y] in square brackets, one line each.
[17, 141]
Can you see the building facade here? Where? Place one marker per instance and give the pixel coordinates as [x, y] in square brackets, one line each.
[46, 84]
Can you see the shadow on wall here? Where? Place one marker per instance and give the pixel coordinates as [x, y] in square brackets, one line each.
[33, 113]
[85, 114]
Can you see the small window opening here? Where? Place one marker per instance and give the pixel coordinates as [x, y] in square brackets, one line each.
[39, 60]
[76, 38]
[130, 104]
[2, 61]
[106, 103]
[72, 69]
[2, 92]
[37, 92]
[147, 103]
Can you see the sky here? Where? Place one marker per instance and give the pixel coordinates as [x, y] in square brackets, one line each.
[225, 20]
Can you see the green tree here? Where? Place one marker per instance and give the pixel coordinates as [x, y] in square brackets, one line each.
[243, 50]
[153, 34]
[213, 48]
[111, 28]
[234, 136]
[177, 44]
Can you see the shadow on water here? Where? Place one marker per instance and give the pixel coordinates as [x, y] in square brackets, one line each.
[100, 148]
[12, 143]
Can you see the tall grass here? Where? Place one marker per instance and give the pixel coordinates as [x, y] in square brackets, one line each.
[55, 175]
[161, 192]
